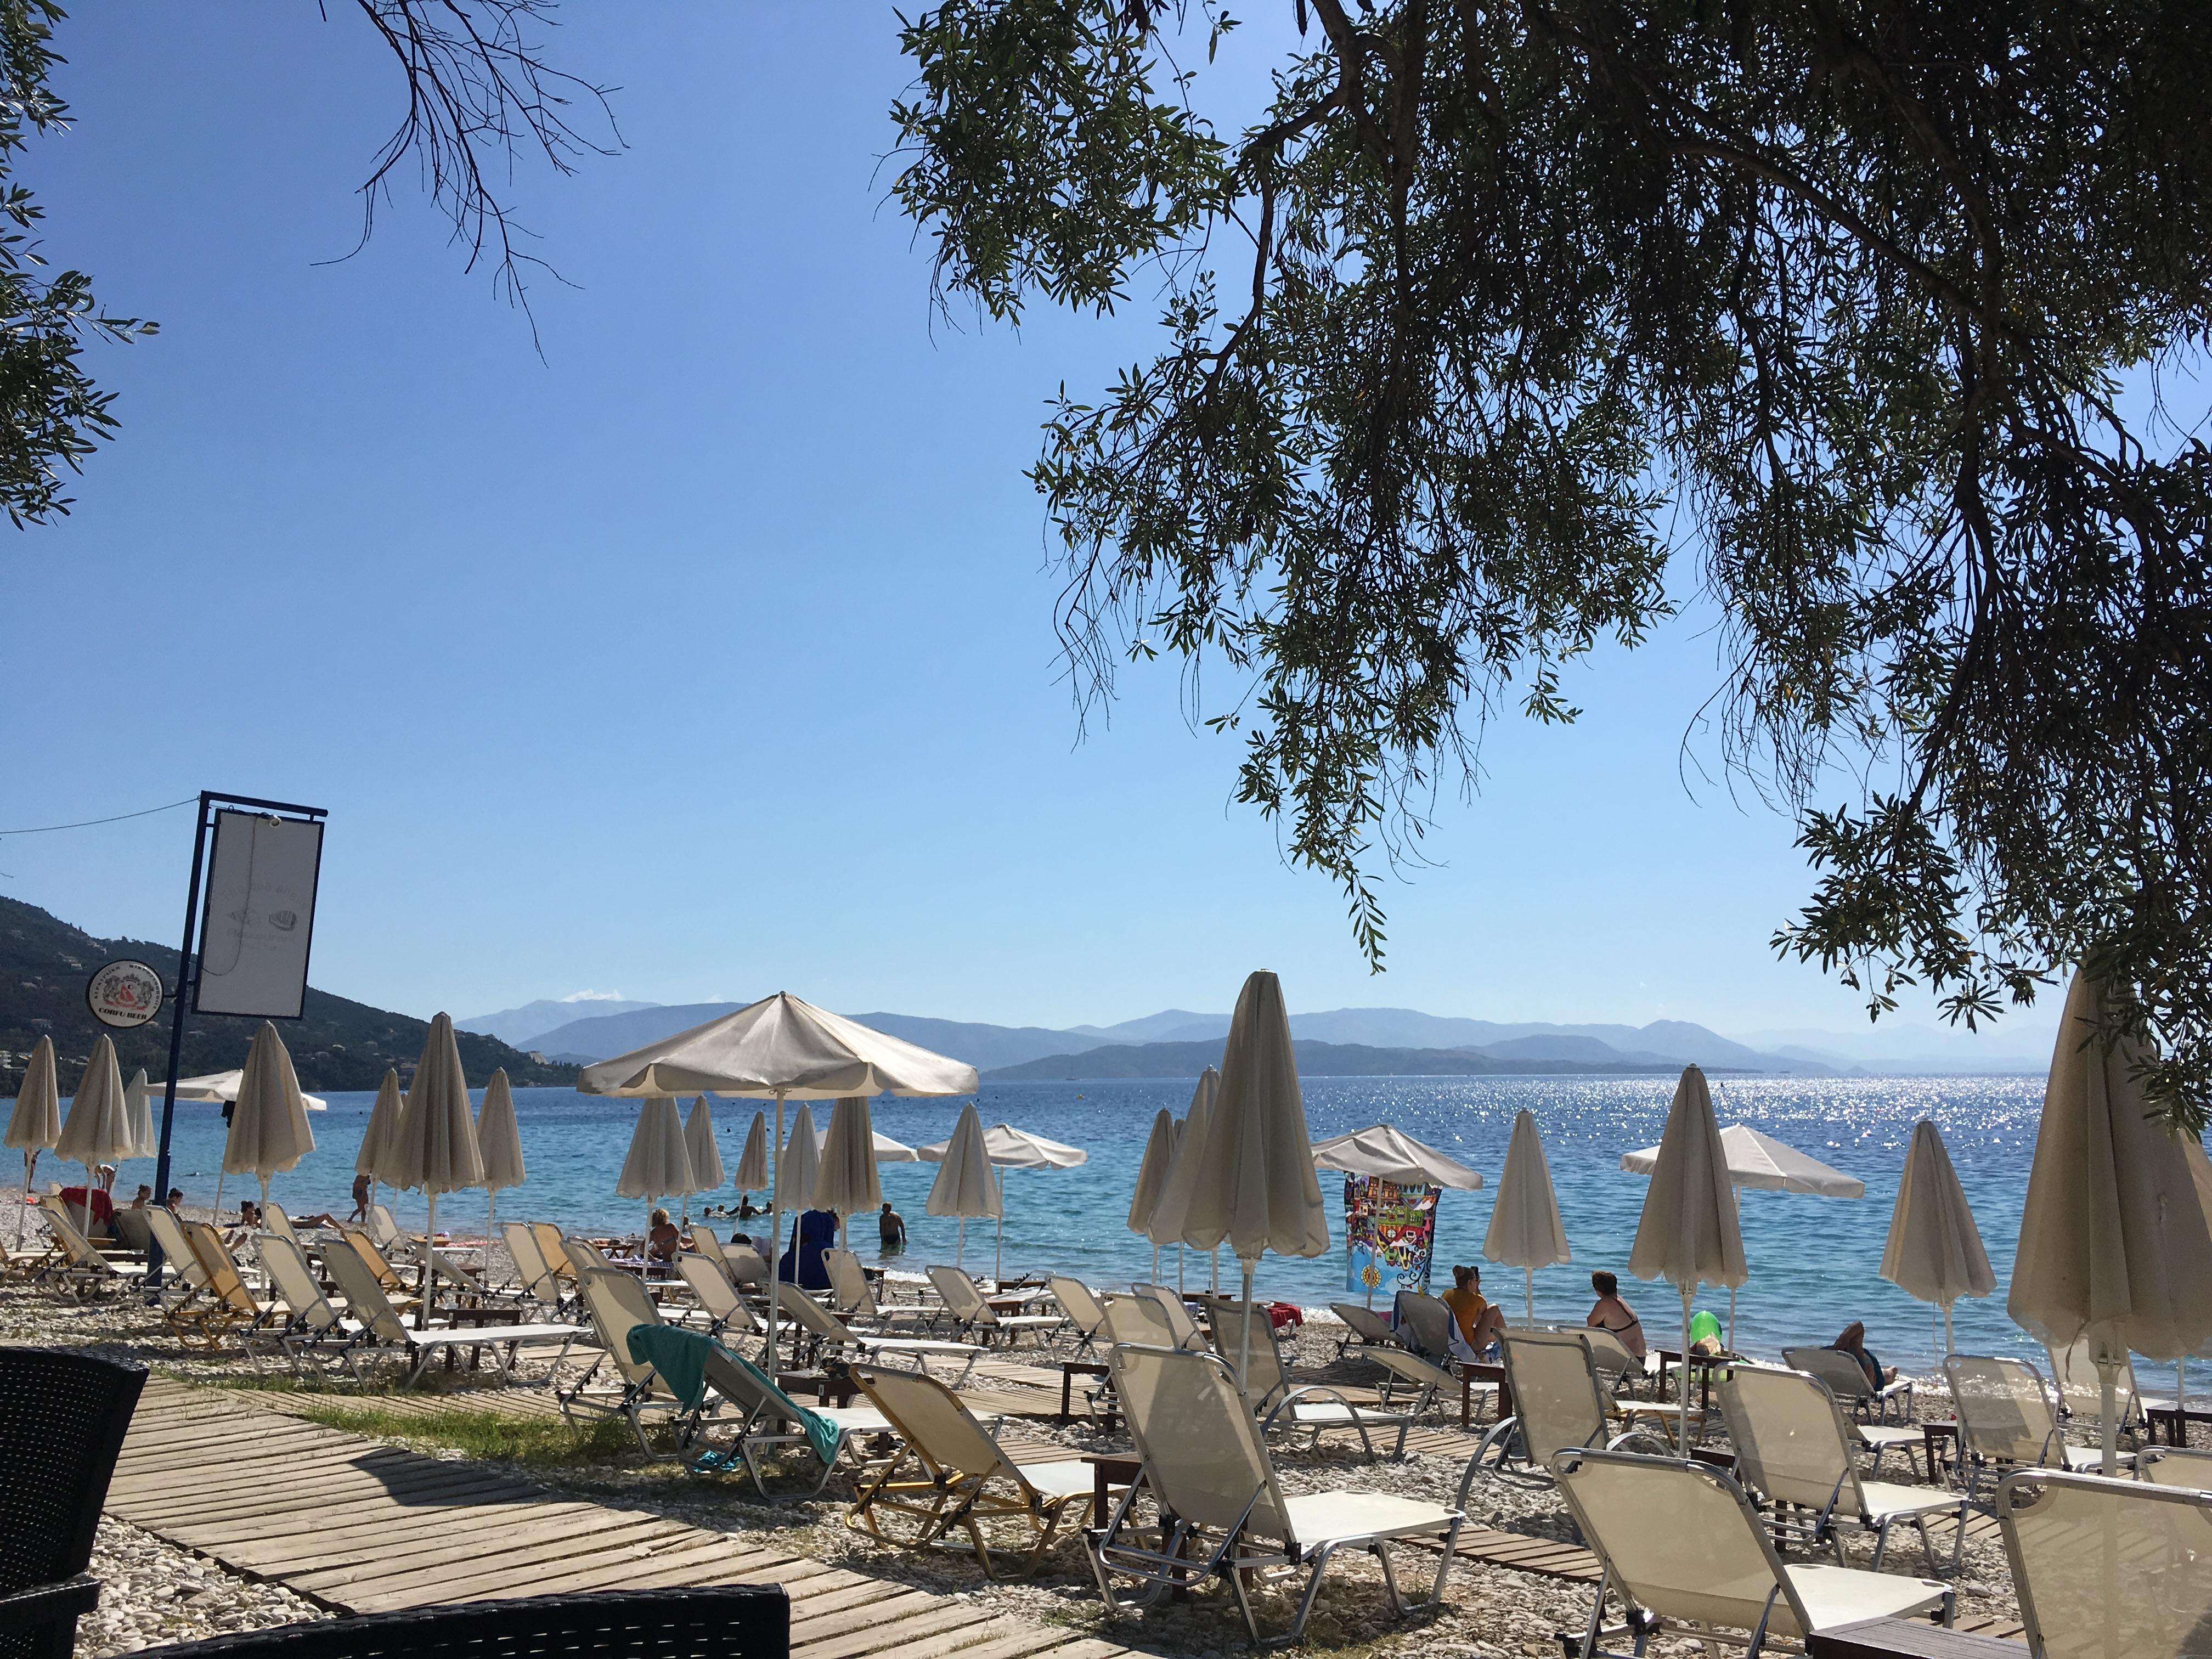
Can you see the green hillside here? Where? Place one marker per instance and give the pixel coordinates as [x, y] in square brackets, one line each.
[337, 1045]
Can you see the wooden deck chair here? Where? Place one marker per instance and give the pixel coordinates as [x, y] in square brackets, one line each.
[2108, 1568]
[1793, 1446]
[314, 1328]
[768, 1420]
[1207, 1463]
[2187, 1467]
[382, 1327]
[1559, 1401]
[1315, 1407]
[823, 1331]
[1433, 1388]
[950, 1472]
[2082, 1392]
[855, 1298]
[1682, 1546]
[85, 1272]
[1364, 1328]
[1086, 1315]
[1847, 1380]
[717, 1298]
[2007, 1421]
[616, 1303]
[973, 1315]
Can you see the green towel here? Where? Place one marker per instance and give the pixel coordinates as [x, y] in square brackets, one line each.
[680, 1356]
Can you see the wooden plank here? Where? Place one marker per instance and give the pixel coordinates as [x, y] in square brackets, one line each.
[877, 1638]
[455, 1576]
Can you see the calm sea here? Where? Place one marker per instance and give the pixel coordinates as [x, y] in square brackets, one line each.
[1814, 1261]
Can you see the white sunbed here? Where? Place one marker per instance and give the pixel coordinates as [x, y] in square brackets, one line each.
[1206, 1462]
[2082, 1392]
[86, 1270]
[1793, 1446]
[314, 1328]
[1086, 1314]
[1434, 1388]
[1366, 1329]
[1681, 1546]
[1847, 1380]
[717, 1298]
[2187, 1467]
[539, 1283]
[855, 1298]
[1142, 1319]
[615, 1302]
[1315, 1409]
[823, 1329]
[2107, 1569]
[2006, 1419]
[382, 1327]
[1559, 1403]
[976, 1317]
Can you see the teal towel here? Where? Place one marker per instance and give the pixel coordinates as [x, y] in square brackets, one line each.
[680, 1356]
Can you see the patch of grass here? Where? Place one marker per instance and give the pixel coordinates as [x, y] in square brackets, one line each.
[500, 1436]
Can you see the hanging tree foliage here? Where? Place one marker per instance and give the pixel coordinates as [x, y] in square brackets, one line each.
[1494, 300]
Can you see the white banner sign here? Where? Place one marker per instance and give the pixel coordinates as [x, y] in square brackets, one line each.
[260, 915]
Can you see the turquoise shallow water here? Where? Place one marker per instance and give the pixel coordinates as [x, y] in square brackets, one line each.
[1814, 1261]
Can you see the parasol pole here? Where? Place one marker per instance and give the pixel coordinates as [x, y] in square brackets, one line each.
[776, 1233]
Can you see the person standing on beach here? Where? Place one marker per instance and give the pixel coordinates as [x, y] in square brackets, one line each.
[891, 1227]
[361, 1194]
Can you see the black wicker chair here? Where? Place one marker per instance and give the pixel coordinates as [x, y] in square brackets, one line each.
[733, 1622]
[62, 1417]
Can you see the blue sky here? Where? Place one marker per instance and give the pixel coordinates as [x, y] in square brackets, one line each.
[713, 653]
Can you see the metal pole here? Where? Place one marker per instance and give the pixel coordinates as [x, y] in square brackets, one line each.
[185, 976]
[775, 1232]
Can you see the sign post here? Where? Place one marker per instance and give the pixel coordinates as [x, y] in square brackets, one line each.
[267, 947]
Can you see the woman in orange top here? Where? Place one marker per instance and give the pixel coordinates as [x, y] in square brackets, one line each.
[1478, 1320]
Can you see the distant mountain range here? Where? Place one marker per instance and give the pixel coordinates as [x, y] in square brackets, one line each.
[1396, 1040]
[1150, 1060]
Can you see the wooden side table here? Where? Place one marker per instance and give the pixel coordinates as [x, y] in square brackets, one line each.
[1939, 1445]
[1472, 1372]
[1069, 1370]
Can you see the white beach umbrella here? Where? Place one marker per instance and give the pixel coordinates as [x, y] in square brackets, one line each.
[1763, 1164]
[1254, 1188]
[2113, 1241]
[1934, 1253]
[434, 1149]
[707, 1172]
[1174, 1203]
[885, 1149]
[659, 1166]
[1687, 1234]
[377, 1139]
[799, 1167]
[36, 1122]
[1525, 1229]
[138, 1101]
[781, 1048]
[845, 1183]
[268, 1133]
[98, 1129]
[1151, 1176]
[965, 1185]
[752, 1162]
[1009, 1148]
[224, 1085]
[499, 1143]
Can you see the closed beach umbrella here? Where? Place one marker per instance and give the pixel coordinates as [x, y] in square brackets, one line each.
[1151, 1176]
[98, 1129]
[781, 1048]
[499, 1142]
[1687, 1234]
[1009, 1148]
[268, 1133]
[1174, 1203]
[1935, 1251]
[1254, 1187]
[36, 1122]
[965, 1185]
[2113, 1243]
[752, 1162]
[707, 1172]
[845, 1183]
[658, 1166]
[800, 1166]
[382, 1134]
[138, 1101]
[887, 1151]
[435, 1150]
[1525, 1229]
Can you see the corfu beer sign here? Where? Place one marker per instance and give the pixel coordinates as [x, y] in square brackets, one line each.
[124, 994]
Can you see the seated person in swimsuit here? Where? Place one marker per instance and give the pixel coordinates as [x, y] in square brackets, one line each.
[1611, 1313]
[1853, 1342]
[1478, 1320]
[663, 1244]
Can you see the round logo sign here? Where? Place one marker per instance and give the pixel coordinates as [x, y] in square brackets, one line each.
[124, 993]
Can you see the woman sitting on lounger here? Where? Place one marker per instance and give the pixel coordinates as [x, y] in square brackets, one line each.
[1853, 1342]
[1611, 1313]
[1476, 1321]
[664, 1243]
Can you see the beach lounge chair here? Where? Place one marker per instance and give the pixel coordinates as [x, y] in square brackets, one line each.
[382, 1327]
[740, 1261]
[855, 1298]
[227, 1308]
[950, 1472]
[1558, 1402]
[2108, 1568]
[703, 1374]
[554, 1249]
[1425, 1326]
[1315, 1406]
[2188, 1467]
[372, 1257]
[717, 1298]
[85, 1272]
[1617, 1369]
[384, 1230]
[1793, 1446]
[1207, 1464]
[133, 1231]
[1364, 1328]
[1681, 1546]
[2007, 1421]
[2082, 1392]
[975, 1318]
[274, 1220]
[1139, 1320]
[533, 1274]
[1433, 1388]
[314, 1328]
[821, 1329]
[616, 1303]
[1182, 1329]
[181, 1279]
[1086, 1314]
[1847, 1380]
